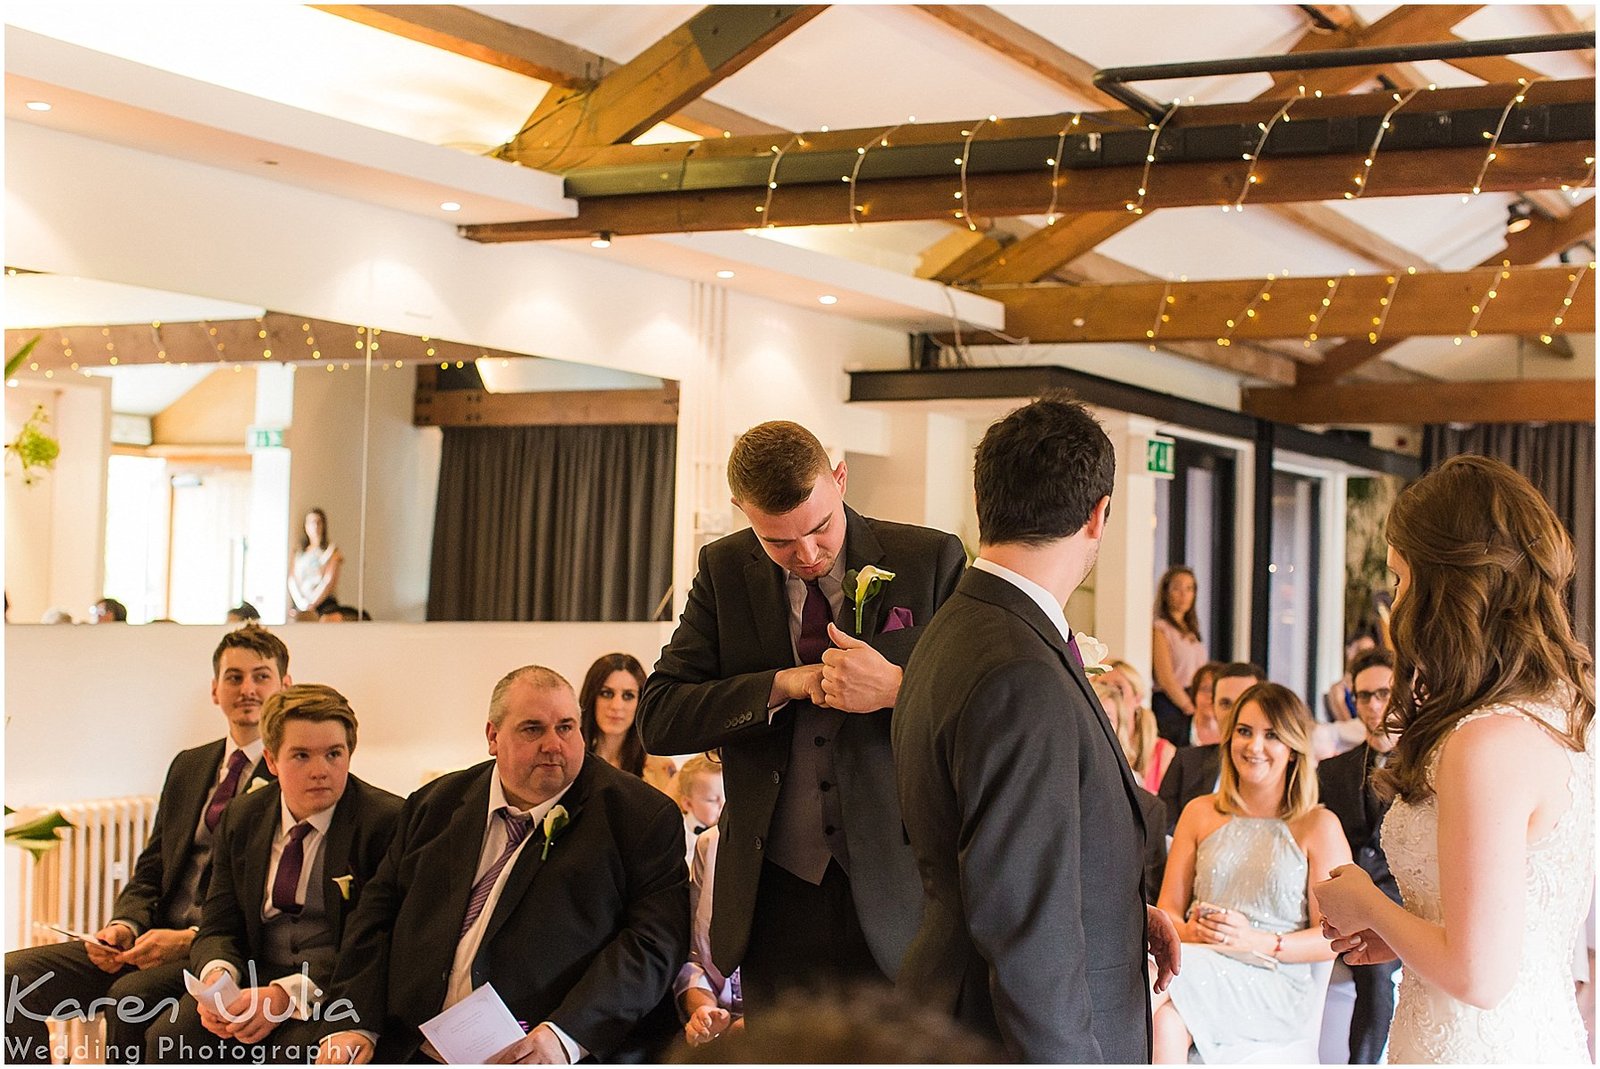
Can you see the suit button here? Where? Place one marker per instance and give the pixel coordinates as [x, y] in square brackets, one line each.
[758, 842]
[777, 777]
[829, 830]
[826, 786]
[820, 741]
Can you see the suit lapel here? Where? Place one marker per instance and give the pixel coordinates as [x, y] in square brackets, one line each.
[530, 861]
[457, 863]
[257, 863]
[336, 852]
[769, 605]
[861, 548]
[194, 792]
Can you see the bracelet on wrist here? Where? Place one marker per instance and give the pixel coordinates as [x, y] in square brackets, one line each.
[1277, 946]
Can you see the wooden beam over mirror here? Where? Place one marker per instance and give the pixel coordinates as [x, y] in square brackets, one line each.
[547, 408]
[1516, 401]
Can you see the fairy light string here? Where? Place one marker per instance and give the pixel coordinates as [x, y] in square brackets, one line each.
[881, 141]
[1574, 280]
[965, 211]
[1252, 178]
[1263, 294]
[1137, 206]
[1494, 138]
[1055, 169]
[1377, 141]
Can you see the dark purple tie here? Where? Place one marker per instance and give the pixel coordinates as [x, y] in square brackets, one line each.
[225, 790]
[1072, 651]
[518, 825]
[287, 883]
[814, 620]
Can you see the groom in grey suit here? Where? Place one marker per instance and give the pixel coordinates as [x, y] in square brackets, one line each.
[1021, 810]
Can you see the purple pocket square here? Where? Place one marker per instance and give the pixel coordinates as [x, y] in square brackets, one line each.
[899, 618]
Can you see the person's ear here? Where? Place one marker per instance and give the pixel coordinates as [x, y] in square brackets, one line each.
[490, 732]
[1099, 516]
[840, 475]
[272, 761]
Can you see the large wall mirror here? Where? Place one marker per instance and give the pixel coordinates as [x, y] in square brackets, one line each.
[457, 482]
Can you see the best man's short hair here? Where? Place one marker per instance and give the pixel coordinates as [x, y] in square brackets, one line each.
[1040, 472]
[257, 640]
[773, 466]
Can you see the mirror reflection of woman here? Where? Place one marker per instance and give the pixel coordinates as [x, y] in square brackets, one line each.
[314, 572]
[608, 703]
[1176, 652]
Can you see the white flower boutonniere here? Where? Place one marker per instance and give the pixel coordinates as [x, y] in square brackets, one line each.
[862, 586]
[1093, 652]
[343, 883]
[554, 821]
[256, 784]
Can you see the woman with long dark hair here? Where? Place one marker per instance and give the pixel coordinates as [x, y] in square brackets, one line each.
[1491, 834]
[608, 703]
[314, 572]
[1176, 652]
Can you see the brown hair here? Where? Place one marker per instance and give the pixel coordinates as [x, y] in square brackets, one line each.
[1482, 621]
[1292, 722]
[311, 702]
[1190, 622]
[773, 466]
[305, 539]
[599, 672]
[538, 677]
[1206, 674]
[257, 640]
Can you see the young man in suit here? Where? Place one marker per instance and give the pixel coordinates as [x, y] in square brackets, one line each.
[137, 960]
[1194, 769]
[545, 872]
[815, 881]
[1020, 806]
[1346, 787]
[289, 865]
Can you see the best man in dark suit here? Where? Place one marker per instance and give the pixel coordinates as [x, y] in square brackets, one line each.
[289, 864]
[1194, 769]
[146, 946]
[545, 872]
[1346, 787]
[1020, 807]
[815, 880]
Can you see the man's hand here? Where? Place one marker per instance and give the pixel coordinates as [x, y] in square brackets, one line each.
[539, 1047]
[345, 1048]
[253, 1015]
[1365, 947]
[706, 1024]
[857, 678]
[1164, 946]
[157, 947]
[803, 683]
[109, 958]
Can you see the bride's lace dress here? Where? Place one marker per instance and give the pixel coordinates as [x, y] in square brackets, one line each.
[1538, 1020]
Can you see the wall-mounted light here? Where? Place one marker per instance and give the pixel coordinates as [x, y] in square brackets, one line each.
[602, 240]
[1519, 217]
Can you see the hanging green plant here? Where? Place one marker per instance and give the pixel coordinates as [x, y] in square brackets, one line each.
[34, 448]
[37, 836]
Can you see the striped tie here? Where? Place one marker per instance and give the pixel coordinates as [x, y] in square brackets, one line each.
[518, 825]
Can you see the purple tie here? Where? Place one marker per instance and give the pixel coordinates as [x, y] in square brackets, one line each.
[518, 825]
[1072, 651]
[286, 885]
[225, 790]
[815, 617]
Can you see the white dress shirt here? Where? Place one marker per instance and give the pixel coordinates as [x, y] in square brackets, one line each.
[1043, 598]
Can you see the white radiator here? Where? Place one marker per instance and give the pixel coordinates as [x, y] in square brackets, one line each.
[76, 884]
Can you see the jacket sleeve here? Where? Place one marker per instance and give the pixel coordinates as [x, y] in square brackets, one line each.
[629, 976]
[140, 898]
[688, 706]
[222, 935]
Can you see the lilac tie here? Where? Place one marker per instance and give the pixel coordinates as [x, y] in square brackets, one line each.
[225, 790]
[286, 885]
[815, 617]
[518, 825]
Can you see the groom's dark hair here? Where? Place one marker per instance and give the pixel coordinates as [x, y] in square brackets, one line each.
[1040, 472]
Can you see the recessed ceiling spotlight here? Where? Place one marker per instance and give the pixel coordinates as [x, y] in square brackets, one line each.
[828, 298]
[449, 206]
[602, 240]
[38, 105]
[724, 273]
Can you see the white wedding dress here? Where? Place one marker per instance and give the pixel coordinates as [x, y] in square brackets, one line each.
[1538, 1020]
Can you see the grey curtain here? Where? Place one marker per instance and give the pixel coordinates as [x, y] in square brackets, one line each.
[553, 523]
[1558, 458]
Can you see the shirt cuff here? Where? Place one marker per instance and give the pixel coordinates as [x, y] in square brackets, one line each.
[132, 927]
[575, 1050]
[691, 977]
[219, 963]
[302, 991]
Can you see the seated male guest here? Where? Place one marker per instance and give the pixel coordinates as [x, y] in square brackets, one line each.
[1195, 771]
[138, 958]
[289, 864]
[1346, 783]
[545, 872]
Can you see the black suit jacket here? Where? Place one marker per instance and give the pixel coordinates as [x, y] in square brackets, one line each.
[190, 780]
[1193, 772]
[1026, 824]
[710, 690]
[1344, 782]
[358, 837]
[589, 938]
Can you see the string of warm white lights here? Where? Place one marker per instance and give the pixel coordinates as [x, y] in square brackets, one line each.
[1499, 128]
[1251, 178]
[1161, 312]
[1322, 310]
[1055, 170]
[1574, 194]
[772, 177]
[1137, 207]
[882, 141]
[1497, 275]
[1377, 140]
[1263, 294]
[1573, 282]
[1384, 304]
[965, 212]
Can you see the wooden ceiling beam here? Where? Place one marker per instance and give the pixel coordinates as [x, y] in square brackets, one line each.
[1407, 24]
[1289, 179]
[1435, 304]
[716, 43]
[1339, 230]
[1516, 401]
[1024, 47]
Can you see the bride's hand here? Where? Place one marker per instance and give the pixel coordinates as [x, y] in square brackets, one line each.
[1343, 898]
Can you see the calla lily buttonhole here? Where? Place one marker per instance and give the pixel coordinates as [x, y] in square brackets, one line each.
[343, 883]
[554, 821]
[1093, 652]
[255, 785]
[862, 586]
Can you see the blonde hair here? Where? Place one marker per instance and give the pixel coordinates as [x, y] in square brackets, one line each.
[698, 766]
[312, 702]
[1290, 719]
[1139, 737]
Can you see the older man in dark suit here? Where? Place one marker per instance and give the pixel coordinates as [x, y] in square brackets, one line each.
[1346, 787]
[137, 960]
[1194, 769]
[788, 658]
[289, 866]
[1021, 809]
[545, 872]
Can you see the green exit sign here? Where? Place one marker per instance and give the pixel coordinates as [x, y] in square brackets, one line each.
[1158, 457]
[265, 438]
